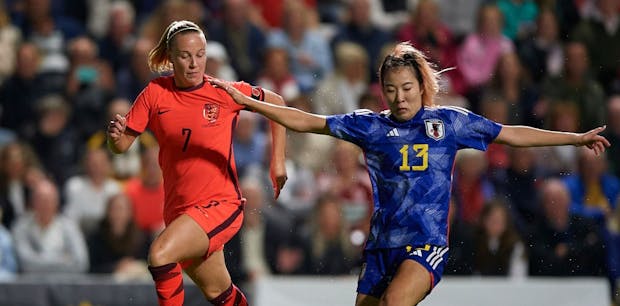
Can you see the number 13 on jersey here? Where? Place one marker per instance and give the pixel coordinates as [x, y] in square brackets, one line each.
[421, 151]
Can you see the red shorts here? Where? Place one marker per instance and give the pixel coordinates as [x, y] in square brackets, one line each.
[220, 220]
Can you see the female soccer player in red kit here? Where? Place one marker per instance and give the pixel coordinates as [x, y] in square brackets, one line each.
[193, 123]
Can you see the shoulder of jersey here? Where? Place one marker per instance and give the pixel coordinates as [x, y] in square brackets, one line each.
[459, 109]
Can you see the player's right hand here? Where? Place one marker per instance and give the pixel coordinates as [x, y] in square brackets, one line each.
[117, 127]
[231, 90]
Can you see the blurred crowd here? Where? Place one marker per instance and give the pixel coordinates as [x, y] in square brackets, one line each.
[67, 66]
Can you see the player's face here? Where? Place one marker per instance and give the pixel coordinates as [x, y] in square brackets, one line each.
[402, 92]
[188, 58]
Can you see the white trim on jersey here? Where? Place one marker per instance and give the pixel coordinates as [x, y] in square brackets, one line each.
[459, 109]
[362, 111]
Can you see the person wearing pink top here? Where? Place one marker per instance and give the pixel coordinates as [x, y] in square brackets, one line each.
[480, 51]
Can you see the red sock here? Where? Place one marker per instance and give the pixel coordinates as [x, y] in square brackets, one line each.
[230, 297]
[169, 284]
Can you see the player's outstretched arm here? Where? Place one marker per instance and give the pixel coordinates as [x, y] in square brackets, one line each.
[525, 136]
[289, 117]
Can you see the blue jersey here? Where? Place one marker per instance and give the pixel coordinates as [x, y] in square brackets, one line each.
[410, 166]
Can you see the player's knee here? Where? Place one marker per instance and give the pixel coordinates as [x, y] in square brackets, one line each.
[160, 255]
[392, 298]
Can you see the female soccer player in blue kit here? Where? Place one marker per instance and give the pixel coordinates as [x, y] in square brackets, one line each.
[410, 152]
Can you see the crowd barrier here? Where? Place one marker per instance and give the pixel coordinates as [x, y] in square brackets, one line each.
[92, 290]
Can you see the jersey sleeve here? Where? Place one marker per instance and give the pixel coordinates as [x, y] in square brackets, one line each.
[140, 112]
[472, 130]
[247, 89]
[353, 127]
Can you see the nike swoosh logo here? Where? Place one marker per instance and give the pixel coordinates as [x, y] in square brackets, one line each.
[162, 111]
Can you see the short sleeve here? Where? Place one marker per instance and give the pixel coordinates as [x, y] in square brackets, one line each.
[139, 114]
[353, 127]
[472, 130]
[255, 92]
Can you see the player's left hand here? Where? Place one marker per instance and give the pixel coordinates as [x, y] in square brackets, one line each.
[594, 141]
[278, 178]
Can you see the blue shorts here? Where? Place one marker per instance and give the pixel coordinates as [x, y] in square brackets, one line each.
[380, 266]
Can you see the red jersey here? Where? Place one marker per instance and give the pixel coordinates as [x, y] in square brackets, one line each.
[194, 129]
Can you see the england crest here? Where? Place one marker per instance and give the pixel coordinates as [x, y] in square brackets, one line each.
[211, 112]
[434, 129]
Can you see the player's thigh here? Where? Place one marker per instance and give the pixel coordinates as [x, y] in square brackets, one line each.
[366, 300]
[409, 286]
[182, 239]
[210, 274]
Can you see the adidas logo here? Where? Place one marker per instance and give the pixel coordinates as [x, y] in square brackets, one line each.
[393, 133]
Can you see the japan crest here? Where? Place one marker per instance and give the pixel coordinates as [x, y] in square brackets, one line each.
[211, 112]
[434, 128]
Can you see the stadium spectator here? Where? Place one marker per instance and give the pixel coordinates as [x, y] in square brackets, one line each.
[218, 62]
[361, 30]
[427, 32]
[20, 93]
[348, 181]
[309, 53]
[45, 240]
[612, 246]
[146, 191]
[261, 247]
[519, 17]
[559, 160]
[16, 160]
[90, 85]
[244, 40]
[481, 50]
[49, 32]
[511, 84]
[593, 190]
[276, 75]
[563, 244]
[542, 51]
[578, 86]
[461, 239]
[249, 143]
[341, 89]
[10, 39]
[131, 79]
[87, 193]
[602, 29]
[459, 15]
[472, 186]
[8, 260]
[117, 245]
[498, 248]
[519, 188]
[332, 249]
[203, 204]
[56, 142]
[164, 12]
[613, 133]
[119, 38]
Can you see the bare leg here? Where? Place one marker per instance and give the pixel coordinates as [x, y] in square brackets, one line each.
[366, 300]
[409, 286]
[210, 275]
[182, 239]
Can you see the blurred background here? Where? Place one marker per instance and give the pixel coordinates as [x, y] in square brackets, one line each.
[521, 218]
